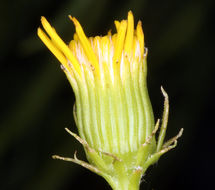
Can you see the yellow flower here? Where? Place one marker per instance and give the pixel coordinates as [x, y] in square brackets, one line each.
[112, 111]
[97, 53]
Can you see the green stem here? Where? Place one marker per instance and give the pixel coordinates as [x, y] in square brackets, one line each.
[123, 178]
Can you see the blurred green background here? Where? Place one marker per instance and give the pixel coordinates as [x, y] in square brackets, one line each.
[37, 100]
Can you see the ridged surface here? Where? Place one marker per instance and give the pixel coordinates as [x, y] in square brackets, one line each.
[115, 117]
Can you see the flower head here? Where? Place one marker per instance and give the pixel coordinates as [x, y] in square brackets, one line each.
[112, 111]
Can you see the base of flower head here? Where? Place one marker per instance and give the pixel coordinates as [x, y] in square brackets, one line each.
[119, 172]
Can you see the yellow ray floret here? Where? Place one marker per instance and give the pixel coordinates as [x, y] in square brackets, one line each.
[52, 47]
[62, 46]
[86, 44]
[130, 33]
[119, 43]
[140, 36]
[117, 25]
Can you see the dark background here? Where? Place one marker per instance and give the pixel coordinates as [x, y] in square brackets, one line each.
[36, 99]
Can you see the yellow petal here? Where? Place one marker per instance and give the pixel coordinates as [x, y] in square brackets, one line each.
[63, 47]
[52, 48]
[130, 33]
[119, 44]
[140, 36]
[86, 44]
[117, 25]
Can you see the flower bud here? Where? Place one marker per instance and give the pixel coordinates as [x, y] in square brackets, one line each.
[112, 111]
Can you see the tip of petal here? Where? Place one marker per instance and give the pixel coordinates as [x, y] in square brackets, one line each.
[139, 23]
[43, 20]
[130, 13]
[74, 20]
[38, 31]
